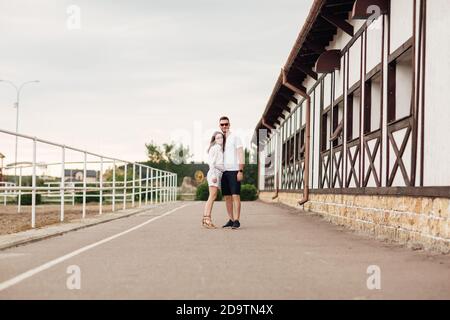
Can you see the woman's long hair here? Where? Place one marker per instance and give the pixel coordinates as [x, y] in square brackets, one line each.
[213, 140]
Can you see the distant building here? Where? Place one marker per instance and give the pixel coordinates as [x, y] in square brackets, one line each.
[1, 166]
[77, 175]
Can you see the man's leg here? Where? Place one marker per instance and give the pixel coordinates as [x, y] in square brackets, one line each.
[226, 192]
[229, 204]
[237, 205]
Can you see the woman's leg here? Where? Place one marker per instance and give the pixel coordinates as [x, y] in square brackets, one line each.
[210, 202]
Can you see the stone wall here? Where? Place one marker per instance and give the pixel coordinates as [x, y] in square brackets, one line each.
[421, 222]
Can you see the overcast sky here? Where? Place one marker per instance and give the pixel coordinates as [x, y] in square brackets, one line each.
[142, 70]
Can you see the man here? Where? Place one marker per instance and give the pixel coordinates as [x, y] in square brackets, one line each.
[233, 174]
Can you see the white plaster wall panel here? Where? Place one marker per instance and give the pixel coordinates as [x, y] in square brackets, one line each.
[437, 109]
[403, 87]
[339, 80]
[327, 91]
[374, 44]
[355, 63]
[356, 114]
[401, 22]
[376, 104]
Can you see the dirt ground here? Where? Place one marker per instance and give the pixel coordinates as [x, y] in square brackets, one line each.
[12, 222]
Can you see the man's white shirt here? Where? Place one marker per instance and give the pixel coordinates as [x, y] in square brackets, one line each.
[231, 159]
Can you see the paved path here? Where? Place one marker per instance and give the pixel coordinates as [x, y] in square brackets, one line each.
[163, 253]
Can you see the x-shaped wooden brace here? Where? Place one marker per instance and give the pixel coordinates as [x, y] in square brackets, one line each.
[352, 166]
[399, 155]
[372, 168]
[325, 172]
[301, 174]
[337, 165]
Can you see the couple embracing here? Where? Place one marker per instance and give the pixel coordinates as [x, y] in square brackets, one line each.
[226, 165]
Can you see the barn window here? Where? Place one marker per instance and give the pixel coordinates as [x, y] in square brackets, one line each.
[353, 114]
[372, 105]
[400, 82]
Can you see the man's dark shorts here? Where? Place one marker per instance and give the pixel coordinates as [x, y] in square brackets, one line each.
[230, 184]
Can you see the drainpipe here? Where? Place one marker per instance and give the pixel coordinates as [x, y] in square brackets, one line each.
[308, 135]
[263, 121]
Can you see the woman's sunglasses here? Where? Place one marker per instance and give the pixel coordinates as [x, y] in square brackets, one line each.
[224, 124]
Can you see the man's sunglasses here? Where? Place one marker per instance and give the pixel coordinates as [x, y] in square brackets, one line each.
[224, 124]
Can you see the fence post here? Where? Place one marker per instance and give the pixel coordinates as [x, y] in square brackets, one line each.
[19, 206]
[146, 187]
[176, 187]
[151, 185]
[63, 169]
[170, 188]
[173, 188]
[157, 192]
[101, 187]
[33, 192]
[114, 187]
[165, 187]
[125, 187]
[84, 184]
[160, 199]
[140, 185]
[133, 184]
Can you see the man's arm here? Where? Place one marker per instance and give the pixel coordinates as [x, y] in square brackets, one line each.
[241, 159]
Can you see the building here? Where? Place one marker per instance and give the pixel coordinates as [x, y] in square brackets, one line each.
[76, 175]
[357, 126]
[2, 157]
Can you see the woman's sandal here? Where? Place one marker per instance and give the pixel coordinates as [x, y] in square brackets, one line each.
[207, 223]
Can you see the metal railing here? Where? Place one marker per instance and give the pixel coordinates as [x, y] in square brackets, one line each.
[141, 184]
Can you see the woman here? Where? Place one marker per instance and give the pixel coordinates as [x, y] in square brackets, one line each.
[216, 168]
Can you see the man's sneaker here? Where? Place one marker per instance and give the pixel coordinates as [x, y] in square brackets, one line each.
[229, 224]
[236, 224]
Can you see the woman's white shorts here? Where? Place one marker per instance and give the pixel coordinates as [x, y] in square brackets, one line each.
[209, 178]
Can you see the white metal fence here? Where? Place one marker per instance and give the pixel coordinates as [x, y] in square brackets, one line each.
[135, 185]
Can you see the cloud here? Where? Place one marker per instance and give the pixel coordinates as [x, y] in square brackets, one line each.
[137, 70]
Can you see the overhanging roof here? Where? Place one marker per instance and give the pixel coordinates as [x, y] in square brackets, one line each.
[322, 23]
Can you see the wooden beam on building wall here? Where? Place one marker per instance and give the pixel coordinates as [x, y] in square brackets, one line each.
[306, 70]
[289, 97]
[339, 23]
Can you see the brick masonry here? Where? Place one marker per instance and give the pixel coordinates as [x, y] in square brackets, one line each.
[419, 222]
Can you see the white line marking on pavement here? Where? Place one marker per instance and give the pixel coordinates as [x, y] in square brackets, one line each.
[32, 272]
[11, 255]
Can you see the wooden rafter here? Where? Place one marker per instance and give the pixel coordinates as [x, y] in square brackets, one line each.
[306, 70]
[339, 23]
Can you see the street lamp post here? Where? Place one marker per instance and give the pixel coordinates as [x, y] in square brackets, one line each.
[16, 105]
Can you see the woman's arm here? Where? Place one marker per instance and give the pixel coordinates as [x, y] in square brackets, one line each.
[218, 159]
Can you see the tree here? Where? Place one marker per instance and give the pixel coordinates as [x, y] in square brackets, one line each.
[180, 154]
[154, 152]
[168, 153]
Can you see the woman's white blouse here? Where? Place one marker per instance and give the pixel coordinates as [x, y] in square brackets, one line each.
[215, 160]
